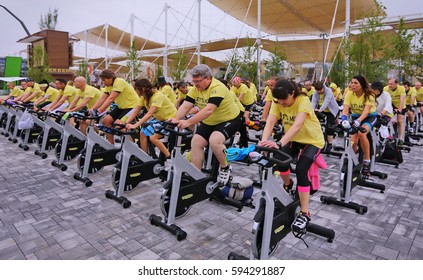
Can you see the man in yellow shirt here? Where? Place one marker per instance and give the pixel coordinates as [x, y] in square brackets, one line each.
[419, 95]
[49, 94]
[244, 95]
[308, 89]
[269, 98]
[398, 95]
[66, 95]
[410, 101]
[15, 91]
[219, 117]
[32, 92]
[118, 91]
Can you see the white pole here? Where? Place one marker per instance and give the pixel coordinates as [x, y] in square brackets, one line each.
[130, 43]
[165, 48]
[106, 26]
[347, 32]
[258, 43]
[199, 33]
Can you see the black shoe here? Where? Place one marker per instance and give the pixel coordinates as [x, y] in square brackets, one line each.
[365, 171]
[300, 223]
[288, 187]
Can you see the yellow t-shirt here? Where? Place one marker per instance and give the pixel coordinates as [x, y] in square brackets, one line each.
[419, 94]
[254, 91]
[357, 104]
[70, 92]
[269, 95]
[247, 98]
[409, 94]
[182, 95]
[308, 92]
[35, 88]
[168, 91]
[237, 102]
[127, 97]
[337, 92]
[321, 100]
[311, 131]
[165, 109]
[227, 109]
[52, 93]
[93, 93]
[15, 92]
[395, 95]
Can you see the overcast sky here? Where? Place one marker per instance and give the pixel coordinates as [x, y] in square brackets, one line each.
[78, 15]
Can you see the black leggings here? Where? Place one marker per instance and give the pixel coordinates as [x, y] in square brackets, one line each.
[306, 159]
[330, 122]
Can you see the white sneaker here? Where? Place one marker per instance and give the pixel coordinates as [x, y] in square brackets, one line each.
[224, 175]
[410, 130]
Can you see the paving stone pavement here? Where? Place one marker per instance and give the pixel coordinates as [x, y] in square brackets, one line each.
[46, 214]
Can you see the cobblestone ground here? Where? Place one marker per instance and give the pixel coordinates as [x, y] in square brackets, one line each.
[46, 214]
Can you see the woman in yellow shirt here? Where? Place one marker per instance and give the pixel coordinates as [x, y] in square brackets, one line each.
[302, 133]
[158, 106]
[363, 109]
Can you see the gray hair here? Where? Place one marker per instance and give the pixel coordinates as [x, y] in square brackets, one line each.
[201, 70]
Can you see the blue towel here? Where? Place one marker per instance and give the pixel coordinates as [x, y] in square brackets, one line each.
[234, 154]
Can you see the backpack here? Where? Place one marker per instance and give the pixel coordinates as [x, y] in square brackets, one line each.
[241, 189]
[392, 151]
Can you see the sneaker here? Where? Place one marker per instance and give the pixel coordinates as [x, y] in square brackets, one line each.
[365, 171]
[410, 130]
[224, 174]
[400, 143]
[288, 187]
[301, 222]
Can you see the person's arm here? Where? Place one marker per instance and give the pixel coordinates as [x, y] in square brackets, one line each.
[315, 100]
[81, 105]
[112, 96]
[183, 110]
[134, 114]
[201, 115]
[145, 118]
[72, 106]
[266, 110]
[32, 95]
[62, 100]
[346, 110]
[270, 124]
[402, 102]
[326, 100]
[102, 99]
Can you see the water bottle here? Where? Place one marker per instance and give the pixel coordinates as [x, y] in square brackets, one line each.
[346, 124]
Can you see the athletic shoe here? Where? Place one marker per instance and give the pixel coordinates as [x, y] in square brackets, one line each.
[224, 174]
[301, 222]
[168, 164]
[410, 130]
[400, 143]
[288, 187]
[365, 171]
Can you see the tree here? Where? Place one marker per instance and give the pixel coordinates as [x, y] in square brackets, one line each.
[49, 21]
[275, 64]
[244, 63]
[38, 65]
[418, 55]
[133, 62]
[83, 71]
[179, 65]
[368, 53]
[401, 51]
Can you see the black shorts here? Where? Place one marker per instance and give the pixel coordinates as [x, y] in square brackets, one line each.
[117, 113]
[228, 128]
[248, 107]
[403, 112]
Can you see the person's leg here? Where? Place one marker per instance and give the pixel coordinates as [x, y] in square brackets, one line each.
[143, 142]
[198, 143]
[401, 126]
[155, 139]
[108, 121]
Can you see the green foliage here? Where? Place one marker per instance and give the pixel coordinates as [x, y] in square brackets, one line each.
[368, 53]
[38, 65]
[179, 65]
[133, 62]
[418, 55]
[83, 71]
[338, 71]
[244, 63]
[401, 51]
[275, 64]
[49, 21]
